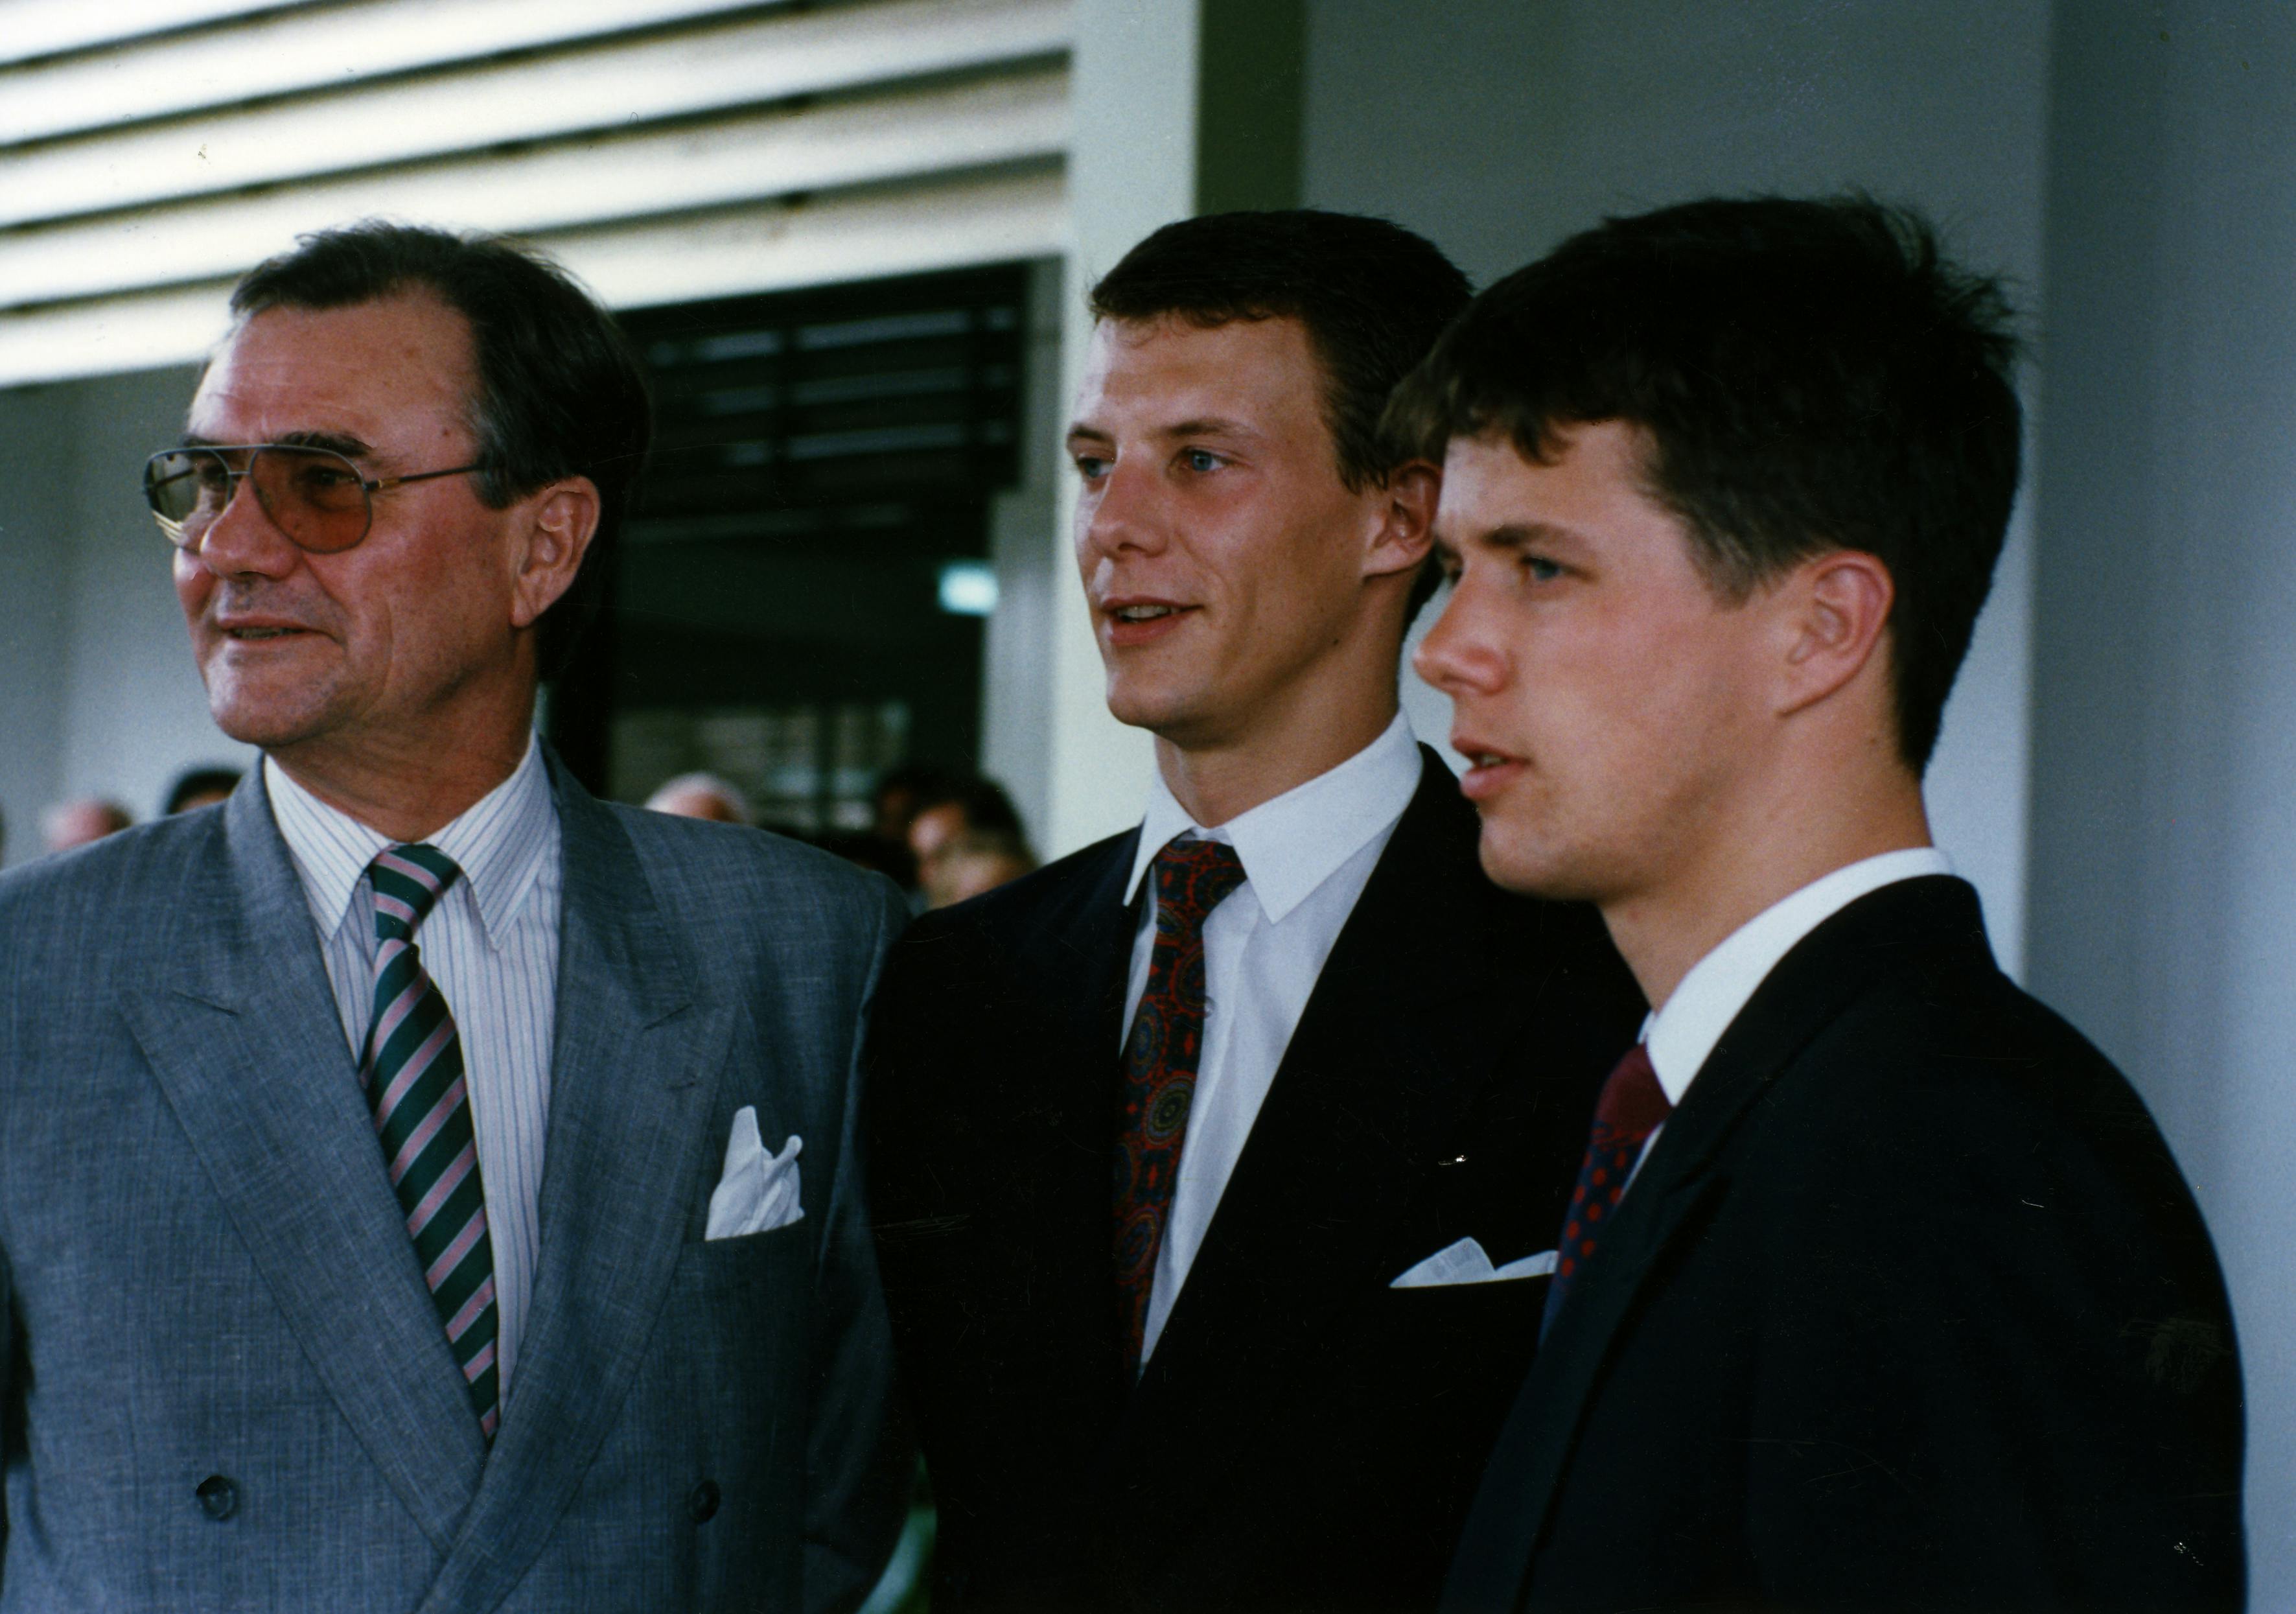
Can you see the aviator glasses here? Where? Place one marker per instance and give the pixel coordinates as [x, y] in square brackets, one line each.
[314, 496]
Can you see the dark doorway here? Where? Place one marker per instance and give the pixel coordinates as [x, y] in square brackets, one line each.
[799, 603]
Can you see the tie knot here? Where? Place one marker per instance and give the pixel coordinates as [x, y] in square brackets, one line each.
[1193, 878]
[1633, 1104]
[408, 882]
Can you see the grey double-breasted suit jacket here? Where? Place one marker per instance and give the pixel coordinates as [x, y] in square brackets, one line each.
[226, 1386]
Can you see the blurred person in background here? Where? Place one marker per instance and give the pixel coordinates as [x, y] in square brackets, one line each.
[868, 849]
[402, 1197]
[884, 846]
[200, 787]
[1219, 1163]
[973, 861]
[969, 818]
[82, 823]
[702, 795]
[954, 805]
[900, 791]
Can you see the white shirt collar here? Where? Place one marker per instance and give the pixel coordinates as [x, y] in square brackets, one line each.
[500, 842]
[1292, 843]
[1684, 1029]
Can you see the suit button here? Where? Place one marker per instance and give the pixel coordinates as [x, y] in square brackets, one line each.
[218, 1497]
[703, 1503]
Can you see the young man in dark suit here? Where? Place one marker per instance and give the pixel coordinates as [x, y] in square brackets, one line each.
[1218, 1165]
[1879, 1287]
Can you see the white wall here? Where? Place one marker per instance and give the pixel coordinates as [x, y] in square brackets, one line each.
[1016, 693]
[1496, 127]
[98, 693]
[2164, 811]
[1132, 166]
[136, 715]
[38, 464]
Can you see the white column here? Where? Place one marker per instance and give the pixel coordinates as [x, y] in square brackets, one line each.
[1132, 166]
[1181, 106]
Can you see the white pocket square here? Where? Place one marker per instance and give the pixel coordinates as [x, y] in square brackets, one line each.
[1465, 1263]
[758, 1192]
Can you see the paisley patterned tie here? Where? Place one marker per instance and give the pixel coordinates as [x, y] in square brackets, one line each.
[412, 1069]
[1191, 877]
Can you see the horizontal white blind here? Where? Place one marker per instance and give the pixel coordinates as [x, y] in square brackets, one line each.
[41, 27]
[661, 149]
[303, 49]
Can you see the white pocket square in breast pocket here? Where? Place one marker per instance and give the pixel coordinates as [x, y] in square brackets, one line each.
[1465, 1263]
[758, 1192]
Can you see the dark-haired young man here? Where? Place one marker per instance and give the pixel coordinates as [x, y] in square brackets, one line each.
[402, 1190]
[1219, 1163]
[1879, 1287]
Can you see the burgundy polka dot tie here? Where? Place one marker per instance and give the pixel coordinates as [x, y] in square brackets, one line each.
[1160, 1054]
[1632, 1107]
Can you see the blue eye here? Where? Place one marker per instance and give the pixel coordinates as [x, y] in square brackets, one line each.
[1541, 570]
[1201, 460]
[1090, 468]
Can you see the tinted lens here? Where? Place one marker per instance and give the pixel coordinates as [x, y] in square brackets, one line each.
[185, 488]
[312, 495]
[316, 497]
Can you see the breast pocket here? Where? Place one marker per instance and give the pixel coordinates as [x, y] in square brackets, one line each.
[780, 1257]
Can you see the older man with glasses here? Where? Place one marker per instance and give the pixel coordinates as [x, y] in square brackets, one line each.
[401, 1202]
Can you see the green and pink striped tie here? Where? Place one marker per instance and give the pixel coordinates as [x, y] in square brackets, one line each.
[412, 1069]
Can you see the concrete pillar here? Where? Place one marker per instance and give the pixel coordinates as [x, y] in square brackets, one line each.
[2163, 907]
[1184, 106]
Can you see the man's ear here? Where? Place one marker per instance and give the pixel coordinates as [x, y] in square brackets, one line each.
[562, 520]
[1834, 610]
[1406, 517]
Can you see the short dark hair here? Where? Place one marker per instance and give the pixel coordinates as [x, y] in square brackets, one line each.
[1812, 375]
[1372, 296]
[917, 781]
[560, 392]
[195, 782]
[982, 800]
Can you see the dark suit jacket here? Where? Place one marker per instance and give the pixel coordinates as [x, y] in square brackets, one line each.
[1907, 1308]
[222, 1383]
[1304, 1435]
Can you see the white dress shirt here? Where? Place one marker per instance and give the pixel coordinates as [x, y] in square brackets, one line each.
[491, 947]
[1306, 856]
[1683, 1031]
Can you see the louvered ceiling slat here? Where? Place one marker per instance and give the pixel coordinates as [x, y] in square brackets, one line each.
[995, 219]
[619, 84]
[889, 231]
[747, 158]
[327, 48]
[44, 28]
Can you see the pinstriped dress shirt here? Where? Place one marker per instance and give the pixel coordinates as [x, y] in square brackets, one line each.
[491, 945]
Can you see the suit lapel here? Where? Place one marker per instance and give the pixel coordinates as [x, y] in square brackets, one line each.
[1681, 1182]
[243, 1035]
[633, 1067]
[1375, 1074]
[1082, 951]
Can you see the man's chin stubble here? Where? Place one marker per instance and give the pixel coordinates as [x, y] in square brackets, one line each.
[266, 730]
